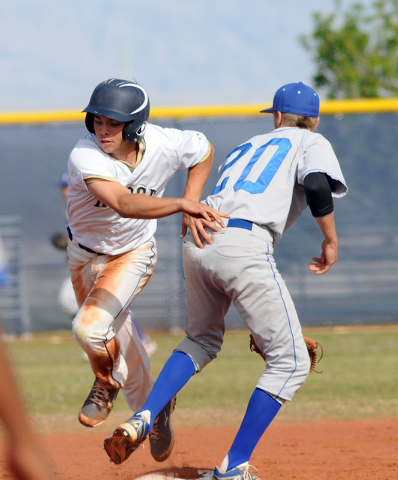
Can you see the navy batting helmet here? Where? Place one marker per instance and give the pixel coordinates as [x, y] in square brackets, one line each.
[121, 100]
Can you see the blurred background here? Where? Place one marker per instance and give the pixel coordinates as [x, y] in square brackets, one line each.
[207, 53]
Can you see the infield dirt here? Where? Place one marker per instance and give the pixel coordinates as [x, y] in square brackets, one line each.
[357, 450]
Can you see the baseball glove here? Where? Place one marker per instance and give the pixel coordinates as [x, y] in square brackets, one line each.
[312, 347]
[59, 241]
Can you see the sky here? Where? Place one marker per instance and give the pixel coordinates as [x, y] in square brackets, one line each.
[202, 52]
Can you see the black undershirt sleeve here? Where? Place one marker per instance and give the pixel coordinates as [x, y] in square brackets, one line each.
[319, 195]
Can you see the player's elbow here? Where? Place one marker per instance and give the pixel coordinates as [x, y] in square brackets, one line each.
[123, 214]
[120, 211]
[318, 194]
[127, 213]
[123, 206]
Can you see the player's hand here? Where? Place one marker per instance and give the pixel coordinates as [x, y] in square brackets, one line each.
[206, 216]
[198, 230]
[328, 258]
[202, 210]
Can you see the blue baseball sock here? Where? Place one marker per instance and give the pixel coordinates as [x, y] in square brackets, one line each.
[178, 369]
[261, 410]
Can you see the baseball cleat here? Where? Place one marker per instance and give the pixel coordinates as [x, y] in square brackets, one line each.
[161, 437]
[126, 438]
[237, 473]
[98, 404]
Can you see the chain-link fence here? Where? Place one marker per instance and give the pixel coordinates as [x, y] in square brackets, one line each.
[14, 311]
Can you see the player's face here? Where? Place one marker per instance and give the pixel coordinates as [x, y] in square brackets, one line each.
[109, 134]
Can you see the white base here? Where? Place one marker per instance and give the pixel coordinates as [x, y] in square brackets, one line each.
[187, 473]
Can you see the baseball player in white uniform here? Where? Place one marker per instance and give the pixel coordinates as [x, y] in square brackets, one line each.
[117, 173]
[264, 185]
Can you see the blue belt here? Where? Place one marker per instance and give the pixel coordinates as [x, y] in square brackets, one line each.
[239, 223]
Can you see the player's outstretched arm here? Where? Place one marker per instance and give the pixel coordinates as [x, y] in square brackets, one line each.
[328, 256]
[136, 205]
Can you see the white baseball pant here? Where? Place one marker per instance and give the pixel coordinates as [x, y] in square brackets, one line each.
[105, 286]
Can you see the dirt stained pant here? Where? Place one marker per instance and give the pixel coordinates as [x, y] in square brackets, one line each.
[105, 286]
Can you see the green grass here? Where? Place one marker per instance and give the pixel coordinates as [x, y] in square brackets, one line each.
[359, 379]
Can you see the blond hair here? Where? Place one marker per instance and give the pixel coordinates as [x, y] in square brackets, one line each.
[299, 121]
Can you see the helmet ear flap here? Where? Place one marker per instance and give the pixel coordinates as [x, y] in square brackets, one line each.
[129, 132]
[133, 134]
[89, 121]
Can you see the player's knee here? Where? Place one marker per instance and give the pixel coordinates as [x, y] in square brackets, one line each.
[81, 335]
[88, 333]
[199, 354]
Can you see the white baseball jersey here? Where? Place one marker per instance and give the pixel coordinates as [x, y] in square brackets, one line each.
[99, 227]
[258, 177]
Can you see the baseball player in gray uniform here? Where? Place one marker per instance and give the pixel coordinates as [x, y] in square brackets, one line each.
[117, 173]
[264, 185]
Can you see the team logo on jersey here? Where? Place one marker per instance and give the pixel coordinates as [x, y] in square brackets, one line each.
[143, 190]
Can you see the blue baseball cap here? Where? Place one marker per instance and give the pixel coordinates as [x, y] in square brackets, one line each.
[295, 98]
